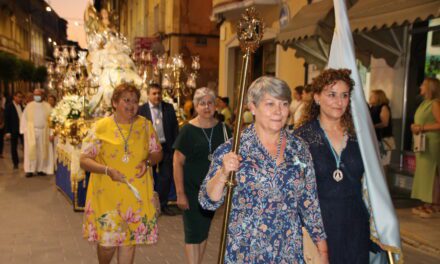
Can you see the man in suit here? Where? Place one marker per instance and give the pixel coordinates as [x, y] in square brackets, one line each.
[164, 120]
[13, 112]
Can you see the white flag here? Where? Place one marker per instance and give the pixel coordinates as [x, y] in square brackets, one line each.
[384, 225]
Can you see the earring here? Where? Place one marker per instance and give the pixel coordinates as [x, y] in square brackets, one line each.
[317, 102]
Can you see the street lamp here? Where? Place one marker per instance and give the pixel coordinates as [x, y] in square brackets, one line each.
[171, 71]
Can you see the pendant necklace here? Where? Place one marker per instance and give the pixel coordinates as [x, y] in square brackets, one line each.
[209, 142]
[279, 146]
[126, 156]
[337, 174]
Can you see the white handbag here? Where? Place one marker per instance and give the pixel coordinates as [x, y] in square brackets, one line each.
[389, 143]
[419, 142]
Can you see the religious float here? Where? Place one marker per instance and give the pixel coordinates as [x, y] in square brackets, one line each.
[85, 80]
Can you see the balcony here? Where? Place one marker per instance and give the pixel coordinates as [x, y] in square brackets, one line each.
[9, 45]
[231, 9]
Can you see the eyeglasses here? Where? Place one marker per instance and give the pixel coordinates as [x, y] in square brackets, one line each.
[206, 103]
[130, 101]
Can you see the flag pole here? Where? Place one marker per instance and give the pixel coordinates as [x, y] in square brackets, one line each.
[384, 223]
[249, 32]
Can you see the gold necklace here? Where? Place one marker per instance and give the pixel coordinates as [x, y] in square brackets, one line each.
[126, 156]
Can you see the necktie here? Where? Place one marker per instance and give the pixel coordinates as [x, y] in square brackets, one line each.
[157, 117]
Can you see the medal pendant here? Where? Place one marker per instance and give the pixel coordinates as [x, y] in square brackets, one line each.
[338, 175]
[210, 157]
[125, 158]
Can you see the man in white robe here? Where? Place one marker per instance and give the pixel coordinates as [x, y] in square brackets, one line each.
[34, 125]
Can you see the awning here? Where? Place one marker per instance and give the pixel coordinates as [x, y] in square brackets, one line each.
[310, 31]
[232, 9]
[367, 15]
[378, 27]
[311, 21]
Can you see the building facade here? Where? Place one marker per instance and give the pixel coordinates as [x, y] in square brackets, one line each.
[390, 40]
[29, 31]
[270, 58]
[174, 27]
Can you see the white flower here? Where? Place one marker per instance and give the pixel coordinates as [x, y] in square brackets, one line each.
[70, 107]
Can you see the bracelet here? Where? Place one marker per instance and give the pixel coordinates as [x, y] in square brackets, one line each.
[106, 170]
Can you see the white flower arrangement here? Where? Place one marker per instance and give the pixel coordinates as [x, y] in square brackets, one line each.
[70, 107]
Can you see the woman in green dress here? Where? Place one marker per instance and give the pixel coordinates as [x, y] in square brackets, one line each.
[426, 186]
[194, 146]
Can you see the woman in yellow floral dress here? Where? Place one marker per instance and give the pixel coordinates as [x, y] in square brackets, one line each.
[119, 212]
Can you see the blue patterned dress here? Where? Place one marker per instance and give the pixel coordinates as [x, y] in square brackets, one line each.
[270, 203]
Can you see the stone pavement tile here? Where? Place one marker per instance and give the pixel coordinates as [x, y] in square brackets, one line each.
[420, 233]
[5, 257]
[69, 244]
[21, 250]
[416, 256]
[86, 247]
[18, 259]
[5, 253]
[6, 241]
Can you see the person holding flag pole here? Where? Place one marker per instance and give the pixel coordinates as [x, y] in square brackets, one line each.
[336, 93]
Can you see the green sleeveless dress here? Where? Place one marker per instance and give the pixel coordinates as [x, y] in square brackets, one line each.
[427, 162]
[193, 143]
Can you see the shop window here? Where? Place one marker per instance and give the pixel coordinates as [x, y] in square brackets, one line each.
[264, 61]
[201, 41]
[435, 39]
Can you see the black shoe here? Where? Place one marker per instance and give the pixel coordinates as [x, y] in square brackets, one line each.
[177, 210]
[167, 211]
[15, 166]
[41, 173]
[29, 174]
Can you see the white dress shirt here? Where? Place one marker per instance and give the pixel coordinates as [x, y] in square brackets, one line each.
[157, 119]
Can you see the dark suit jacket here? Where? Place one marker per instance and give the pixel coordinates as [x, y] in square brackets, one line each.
[12, 121]
[170, 125]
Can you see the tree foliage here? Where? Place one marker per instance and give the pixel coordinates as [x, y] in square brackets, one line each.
[40, 74]
[27, 70]
[13, 69]
[9, 67]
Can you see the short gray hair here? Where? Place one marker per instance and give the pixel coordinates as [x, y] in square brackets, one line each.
[202, 92]
[268, 85]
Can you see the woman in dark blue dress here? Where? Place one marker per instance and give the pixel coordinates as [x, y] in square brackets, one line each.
[328, 129]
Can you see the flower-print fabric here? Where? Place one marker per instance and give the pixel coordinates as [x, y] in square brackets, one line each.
[270, 203]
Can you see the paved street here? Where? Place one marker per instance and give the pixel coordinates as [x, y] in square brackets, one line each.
[38, 225]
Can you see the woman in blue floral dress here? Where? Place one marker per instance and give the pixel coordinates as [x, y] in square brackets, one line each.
[276, 190]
